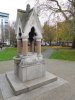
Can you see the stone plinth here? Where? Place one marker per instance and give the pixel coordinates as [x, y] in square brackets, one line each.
[1, 98]
[57, 90]
[32, 81]
[16, 63]
[31, 72]
[20, 87]
[29, 67]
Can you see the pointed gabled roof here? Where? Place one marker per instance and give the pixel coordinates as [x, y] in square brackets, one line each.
[26, 20]
[24, 16]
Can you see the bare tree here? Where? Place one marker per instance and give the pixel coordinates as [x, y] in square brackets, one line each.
[12, 36]
[54, 7]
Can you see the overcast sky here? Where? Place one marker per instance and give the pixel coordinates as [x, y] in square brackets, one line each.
[11, 6]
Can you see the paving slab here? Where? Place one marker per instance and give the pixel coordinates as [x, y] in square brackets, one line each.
[57, 90]
[1, 97]
[20, 87]
[5, 87]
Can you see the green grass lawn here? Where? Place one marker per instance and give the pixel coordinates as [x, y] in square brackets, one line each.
[44, 48]
[7, 54]
[64, 54]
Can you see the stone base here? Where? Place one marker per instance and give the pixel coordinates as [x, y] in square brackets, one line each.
[29, 67]
[57, 90]
[31, 72]
[1, 98]
[20, 87]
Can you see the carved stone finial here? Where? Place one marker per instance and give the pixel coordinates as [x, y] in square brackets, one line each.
[28, 8]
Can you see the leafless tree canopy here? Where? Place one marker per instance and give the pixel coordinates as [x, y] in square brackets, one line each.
[55, 7]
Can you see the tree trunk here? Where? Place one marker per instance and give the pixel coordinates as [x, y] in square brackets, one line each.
[50, 43]
[73, 43]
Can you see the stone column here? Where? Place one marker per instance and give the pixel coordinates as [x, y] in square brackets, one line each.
[25, 46]
[19, 46]
[38, 41]
[32, 47]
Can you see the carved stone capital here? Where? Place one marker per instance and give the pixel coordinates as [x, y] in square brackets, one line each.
[31, 59]
[18, 38]
[24, 38]
[38, 39]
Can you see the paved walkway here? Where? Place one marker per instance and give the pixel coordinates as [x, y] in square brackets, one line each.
[2, 48]
[47, 53]
[63, 69]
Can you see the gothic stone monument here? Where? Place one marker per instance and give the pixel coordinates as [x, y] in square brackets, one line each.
[29, 75]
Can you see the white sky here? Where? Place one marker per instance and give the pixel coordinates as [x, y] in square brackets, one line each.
[11, 6]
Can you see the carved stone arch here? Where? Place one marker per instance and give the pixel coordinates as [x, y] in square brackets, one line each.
[20, 32]
[32, 39]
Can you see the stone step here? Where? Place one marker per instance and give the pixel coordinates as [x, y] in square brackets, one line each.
[57, 90]
[20, 87]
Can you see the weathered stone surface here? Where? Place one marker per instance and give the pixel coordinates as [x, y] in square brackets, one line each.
[34, 72]
[57, 90]
[30, 72]
[21, 87]
[1, 98]
[5, 87]
[30, 67]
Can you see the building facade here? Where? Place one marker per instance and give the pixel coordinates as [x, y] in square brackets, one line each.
[4, 28]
